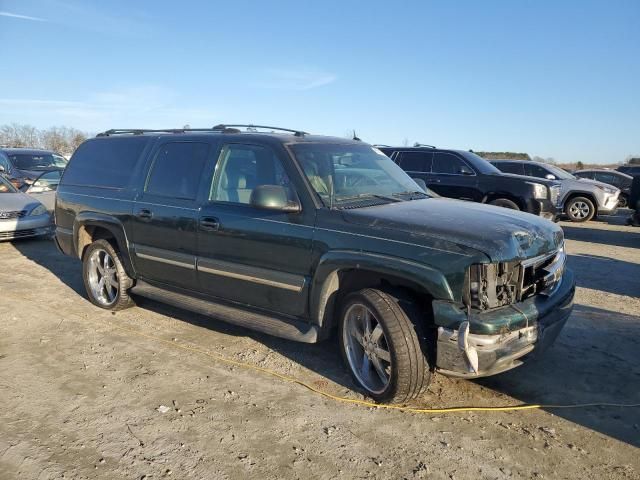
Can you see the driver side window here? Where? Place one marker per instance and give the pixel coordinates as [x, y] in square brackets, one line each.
[450, 165]
[242, 168]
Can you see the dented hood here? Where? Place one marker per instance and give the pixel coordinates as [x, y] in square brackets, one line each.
[499, 233]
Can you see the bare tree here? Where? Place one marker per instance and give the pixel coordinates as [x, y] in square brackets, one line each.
[63, 140]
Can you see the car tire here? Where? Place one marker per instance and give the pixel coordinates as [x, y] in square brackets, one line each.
[105, 279]
[623, 201]
[387, 359]
[580, 209]
[505, 203]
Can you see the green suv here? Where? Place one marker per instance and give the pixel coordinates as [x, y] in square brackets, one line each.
[303, 236]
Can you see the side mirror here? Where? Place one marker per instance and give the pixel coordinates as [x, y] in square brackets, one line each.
[548, 176]
[421, 183]
[2, 169]
[273, 197]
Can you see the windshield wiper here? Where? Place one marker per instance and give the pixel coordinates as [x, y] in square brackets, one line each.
[411, 193]
[369, 195]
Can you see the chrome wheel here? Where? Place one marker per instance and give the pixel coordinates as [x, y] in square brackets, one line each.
[103, 277]
[366, 348]
[579, 210]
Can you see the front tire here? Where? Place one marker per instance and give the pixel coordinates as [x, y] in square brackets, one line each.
[505, 203]
[105, 279]
[580, 209]
[623, 201]
[382, 345]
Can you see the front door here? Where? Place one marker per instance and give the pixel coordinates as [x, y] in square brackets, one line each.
[249, 255]
[417, 164]
[165, 214]
[452, 177]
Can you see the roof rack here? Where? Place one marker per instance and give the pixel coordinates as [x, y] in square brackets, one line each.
[423, 145]
[381, 145]
[222, 128]
[252, 128]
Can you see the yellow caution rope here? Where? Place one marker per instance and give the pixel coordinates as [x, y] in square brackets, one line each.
[364, 403]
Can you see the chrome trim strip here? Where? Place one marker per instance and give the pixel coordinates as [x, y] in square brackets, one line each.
[164, 256]
[283, 280]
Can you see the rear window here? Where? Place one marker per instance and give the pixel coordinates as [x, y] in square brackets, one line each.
[107, 162]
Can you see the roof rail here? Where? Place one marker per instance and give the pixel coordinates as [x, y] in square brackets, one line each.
[381, 145]
[140, 131]
[252, 128]
[423, 145]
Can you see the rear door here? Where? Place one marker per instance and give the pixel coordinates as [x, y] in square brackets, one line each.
[452, 177]
[166, 212]
[249, 255]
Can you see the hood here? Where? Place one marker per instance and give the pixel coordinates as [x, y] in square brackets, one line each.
[526, 178]
[35, 172]
[499, 233]
[582, 181]
[10, 202]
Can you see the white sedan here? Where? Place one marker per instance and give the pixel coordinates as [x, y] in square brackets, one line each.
[21, 215]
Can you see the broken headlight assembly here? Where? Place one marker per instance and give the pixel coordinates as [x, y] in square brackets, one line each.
[492, 285]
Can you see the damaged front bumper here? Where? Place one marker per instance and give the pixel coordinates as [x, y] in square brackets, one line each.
[495, 341]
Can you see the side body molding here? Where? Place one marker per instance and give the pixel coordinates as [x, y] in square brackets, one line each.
[326, 281]
[110, 223]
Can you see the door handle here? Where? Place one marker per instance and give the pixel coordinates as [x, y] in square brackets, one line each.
[145, 214]
[210, 224]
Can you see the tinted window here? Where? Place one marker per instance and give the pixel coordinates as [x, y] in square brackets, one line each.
[241, 168]
[606, 177]
[177, 169]
[105, 162]
[449, 164]
[510, 167]
[584, 175]
[415, 161]
[4, 162]
[534, 170]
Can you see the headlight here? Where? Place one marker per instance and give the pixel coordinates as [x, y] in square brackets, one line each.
[609, 190]
[39, 210]
[539, 191]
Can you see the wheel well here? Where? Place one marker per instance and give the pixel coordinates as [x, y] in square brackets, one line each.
[87, 234]
[585, 195]
[352, 280]
[494, 196]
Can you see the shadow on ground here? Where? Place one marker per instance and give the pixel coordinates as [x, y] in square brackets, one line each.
[630, 239]
[594, 360]
[590, 270]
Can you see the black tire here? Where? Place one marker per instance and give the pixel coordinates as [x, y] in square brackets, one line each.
[623, 201]
[408, 369]
[91, 276]
[580, 209]
[505, 202]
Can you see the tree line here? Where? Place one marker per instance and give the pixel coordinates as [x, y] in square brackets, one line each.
[63, 140]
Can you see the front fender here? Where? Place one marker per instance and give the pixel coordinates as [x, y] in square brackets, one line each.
[109, 223]
[326, 281]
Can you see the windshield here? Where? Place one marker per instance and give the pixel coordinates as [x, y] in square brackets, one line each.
[352, 171]
[5, 186]
[25, 161]
[559, 173]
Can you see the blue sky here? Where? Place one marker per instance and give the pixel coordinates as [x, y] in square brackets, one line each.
[555, 79]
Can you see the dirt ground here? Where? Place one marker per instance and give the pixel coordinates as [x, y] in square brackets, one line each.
[79, 396]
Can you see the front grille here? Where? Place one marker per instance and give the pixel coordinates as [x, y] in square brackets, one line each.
[11, 215]
[18, 233]
[542, 274]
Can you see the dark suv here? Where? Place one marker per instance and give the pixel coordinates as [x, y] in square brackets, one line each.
[466, 176]
[299, 235]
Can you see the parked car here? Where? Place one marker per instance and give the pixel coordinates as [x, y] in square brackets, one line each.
[26, 164]
[466, 176]
[633, 170]
[580, 199]
[44, 188]
[21, 216]
[299, 235]
[620, 180]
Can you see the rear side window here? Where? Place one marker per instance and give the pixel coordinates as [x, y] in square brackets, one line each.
[415, 161]
[177, 169]
[510, 167]
[106, 162]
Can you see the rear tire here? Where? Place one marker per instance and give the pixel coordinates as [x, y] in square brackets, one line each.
[383, 346]
[505, 202]
[105, 279]
[580, 209]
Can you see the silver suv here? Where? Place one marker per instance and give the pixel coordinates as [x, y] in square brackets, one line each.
[580, 198]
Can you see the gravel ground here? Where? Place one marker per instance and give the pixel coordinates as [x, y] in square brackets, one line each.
[80, 396]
